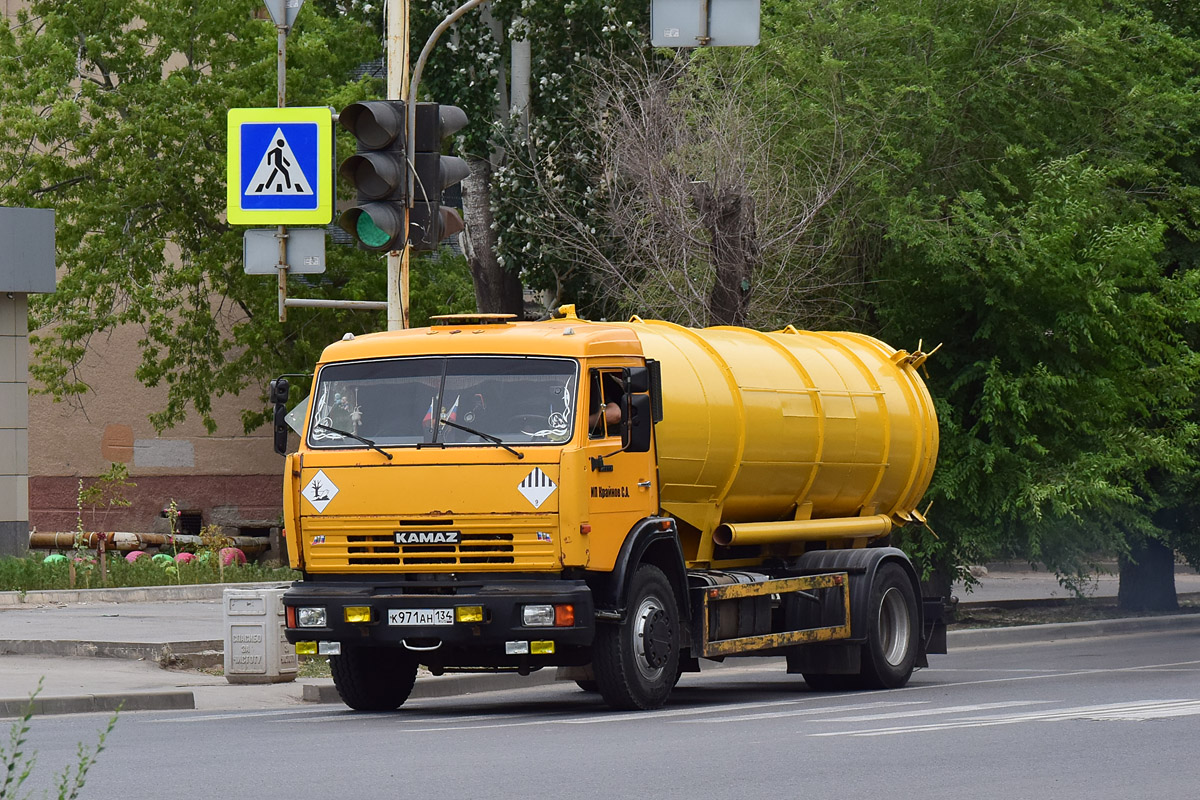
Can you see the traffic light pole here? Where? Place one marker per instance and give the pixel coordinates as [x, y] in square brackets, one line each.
[411, 116]
[397, 89]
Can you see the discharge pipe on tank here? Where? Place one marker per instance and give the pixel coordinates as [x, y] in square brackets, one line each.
[800, 530]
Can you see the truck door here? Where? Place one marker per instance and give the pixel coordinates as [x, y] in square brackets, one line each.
[622, 486]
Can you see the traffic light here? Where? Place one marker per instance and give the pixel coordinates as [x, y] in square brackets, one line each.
[430, 222]
[377, 172]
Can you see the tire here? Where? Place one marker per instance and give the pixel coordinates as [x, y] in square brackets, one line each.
[373, 679]
[588, 686]
[637, 662]
[890, 653]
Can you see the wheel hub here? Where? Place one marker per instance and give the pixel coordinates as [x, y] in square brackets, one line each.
[656, 639]
[652, 639]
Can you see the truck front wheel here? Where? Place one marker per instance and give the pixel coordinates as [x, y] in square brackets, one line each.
[373, 679]
[637, 662]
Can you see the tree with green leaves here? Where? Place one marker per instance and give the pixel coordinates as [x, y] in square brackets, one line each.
[115, 117]
[1028, 200]
[521, 69]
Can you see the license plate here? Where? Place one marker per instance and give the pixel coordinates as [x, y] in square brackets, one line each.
[420, 616]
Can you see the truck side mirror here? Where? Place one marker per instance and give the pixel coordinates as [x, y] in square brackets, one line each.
[636, 423]
[637, 380]
[637, 410]
[279, 395]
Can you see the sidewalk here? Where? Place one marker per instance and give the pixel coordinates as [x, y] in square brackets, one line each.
[92, 650]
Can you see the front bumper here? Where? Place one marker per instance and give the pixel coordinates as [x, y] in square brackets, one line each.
[462, 644]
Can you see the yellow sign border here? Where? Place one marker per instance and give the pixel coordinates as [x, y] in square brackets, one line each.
[323, 213]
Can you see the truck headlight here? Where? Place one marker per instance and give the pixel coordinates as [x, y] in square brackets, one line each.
[537, 616]
[311, 617]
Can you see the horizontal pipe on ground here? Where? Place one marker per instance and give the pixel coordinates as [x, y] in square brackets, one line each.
[123, 540]
[801, 530]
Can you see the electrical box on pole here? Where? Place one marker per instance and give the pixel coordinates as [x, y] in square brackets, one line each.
[378, 174]
[429, 221]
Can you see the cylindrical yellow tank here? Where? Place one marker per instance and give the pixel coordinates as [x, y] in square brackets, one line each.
[788, 425]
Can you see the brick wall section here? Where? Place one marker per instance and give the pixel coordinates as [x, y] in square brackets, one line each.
[238, 501]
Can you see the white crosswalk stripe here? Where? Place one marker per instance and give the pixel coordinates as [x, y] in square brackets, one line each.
[1127, 712]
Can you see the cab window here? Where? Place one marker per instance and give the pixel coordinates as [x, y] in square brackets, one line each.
[604, 403]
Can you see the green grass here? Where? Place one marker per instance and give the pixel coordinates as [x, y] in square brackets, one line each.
[30, 574]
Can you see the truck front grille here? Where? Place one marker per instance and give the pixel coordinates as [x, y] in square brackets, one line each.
[347, 544]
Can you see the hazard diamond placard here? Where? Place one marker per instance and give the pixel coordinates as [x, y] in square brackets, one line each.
[279, 166]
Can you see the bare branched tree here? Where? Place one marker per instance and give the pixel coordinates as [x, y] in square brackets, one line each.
[699, 211]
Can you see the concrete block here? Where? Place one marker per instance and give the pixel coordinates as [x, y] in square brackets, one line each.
[163, 453]
[14, 451]
[21, 347]
[9, 373]
[14, 315]
[14, 497]
[14, 359]
[14, 541]
[14, 320]
[14, 405]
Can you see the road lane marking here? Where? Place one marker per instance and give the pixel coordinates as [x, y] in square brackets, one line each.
[1109, 712]
[807, 712]
[601, 717]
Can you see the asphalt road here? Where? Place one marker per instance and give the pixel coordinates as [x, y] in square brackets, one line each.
[1113, 717]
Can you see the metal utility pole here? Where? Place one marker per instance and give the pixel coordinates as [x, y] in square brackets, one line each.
[281, 26]
[397, 89]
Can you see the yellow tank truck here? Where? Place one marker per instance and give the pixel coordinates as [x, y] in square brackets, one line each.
[617, 500]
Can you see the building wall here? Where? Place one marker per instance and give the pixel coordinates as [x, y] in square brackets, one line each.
[230, 478]
[14, 405]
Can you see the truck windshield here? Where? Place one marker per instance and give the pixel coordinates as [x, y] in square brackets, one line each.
[403, 401]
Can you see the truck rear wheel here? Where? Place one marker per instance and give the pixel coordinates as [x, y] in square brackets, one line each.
[373, 679]
[637, 662]
[890, 653]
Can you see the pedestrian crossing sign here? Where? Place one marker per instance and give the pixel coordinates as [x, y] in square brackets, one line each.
[279, 166]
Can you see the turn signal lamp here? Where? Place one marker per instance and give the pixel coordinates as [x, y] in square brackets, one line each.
[306, 648]
[564, 615]
[468, 614]
[541, 648]
[359, 614]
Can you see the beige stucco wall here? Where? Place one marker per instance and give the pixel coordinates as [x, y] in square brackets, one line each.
[229, 477]
[109, 423]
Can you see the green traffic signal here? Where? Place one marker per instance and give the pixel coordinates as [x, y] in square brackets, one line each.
[369, 233]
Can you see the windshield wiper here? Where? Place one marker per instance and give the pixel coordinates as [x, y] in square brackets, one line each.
[488, 436]
[362, 439]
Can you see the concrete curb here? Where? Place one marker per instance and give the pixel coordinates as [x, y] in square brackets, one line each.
[1055, 631]
[91, 703]
[188, 655]
[134, 594]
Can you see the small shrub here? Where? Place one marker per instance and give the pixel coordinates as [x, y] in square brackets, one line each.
[16, 766]
[31, 573]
